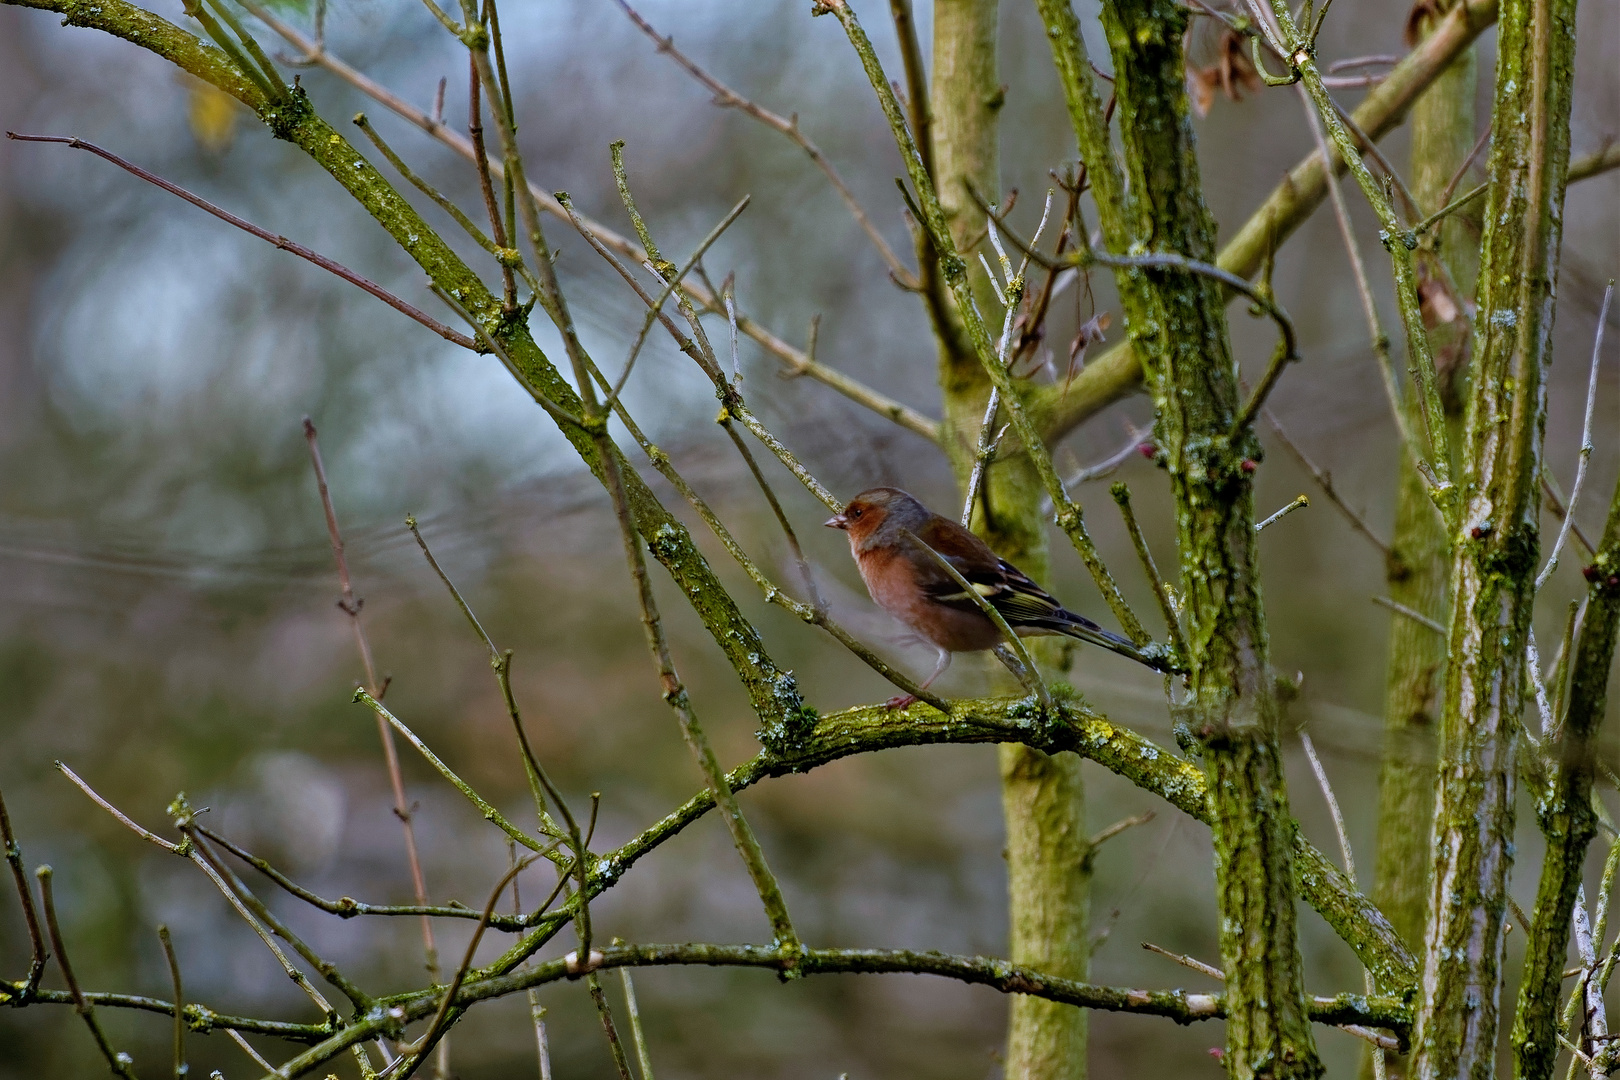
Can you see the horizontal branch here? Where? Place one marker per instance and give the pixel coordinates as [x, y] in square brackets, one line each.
[1076, 728]
[199, 1018]
[1001, 975]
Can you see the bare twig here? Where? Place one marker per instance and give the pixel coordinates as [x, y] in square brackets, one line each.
[247, 1048]
[796, 361]
[180, 1067]
[475, 130]
[486, 808]
[1107, 833]
[348, 907]
[350, 605]
[1586, 442]
[982, 453]
[727, 98]
[122, 818]
[120, 1063]
[25, 896]
[1110, 464]
[419, 1051]
[1332, 804]
[1369, 308]
[263, 234]
[637, 1035]
[1416, 616]
[1187, 962]
[1299, 503]
[1324, 480]
[1161, 592]
[670, 286]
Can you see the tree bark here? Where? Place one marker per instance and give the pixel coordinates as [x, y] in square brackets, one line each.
[1419, 563]
[1496, 552]
[1043, 796]
[1176, 322]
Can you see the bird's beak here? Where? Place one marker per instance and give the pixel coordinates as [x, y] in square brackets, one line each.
[838, 521]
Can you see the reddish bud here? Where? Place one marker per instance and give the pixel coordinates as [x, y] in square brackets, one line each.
[1147, 450]
[1591, 573]
[1249, 465]
[1218, 1053]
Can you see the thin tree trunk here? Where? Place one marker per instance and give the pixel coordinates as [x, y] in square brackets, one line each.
[1043, 797]
[1498, 543]
[1177, 325]
[1419, 563]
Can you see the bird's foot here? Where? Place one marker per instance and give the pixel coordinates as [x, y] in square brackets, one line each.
[901, 701]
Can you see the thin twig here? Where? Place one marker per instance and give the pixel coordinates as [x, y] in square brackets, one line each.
[1107, 833]
[1462, 170]
[247, 1048]
[1539, 686]
[123, 819]
[486, 808]
[1586, 442]
[328, 971]
[263, 234]
[1369, 307]
[1324, 480]
[180, 1067]
[1110, 464]
[1187, 961]
[120, 1063]
[1555, 502]
[1450, 208]
[670, 287]
[25, 896]
[350, 605]
[727, 98]
[982, 453]
[1161, 592]
[419, 1051]
[637, 1035]
[1416, 616]
[1339, 829]
[807, 577]
[541, 785]
[1299, 503]
[348, 907]
[615, 1044]
[475, 130]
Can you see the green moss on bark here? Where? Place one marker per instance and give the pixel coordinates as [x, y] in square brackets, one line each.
[1494, 564]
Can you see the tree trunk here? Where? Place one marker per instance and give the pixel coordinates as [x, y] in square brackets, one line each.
[1497, 547]
[1419, 561]
[1043, 797]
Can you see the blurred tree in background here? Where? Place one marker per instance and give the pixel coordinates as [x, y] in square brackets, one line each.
[166, 574]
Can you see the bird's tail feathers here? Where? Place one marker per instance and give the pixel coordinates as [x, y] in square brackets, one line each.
[1079, 627]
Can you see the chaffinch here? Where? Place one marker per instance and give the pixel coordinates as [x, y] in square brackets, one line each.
[884, 527]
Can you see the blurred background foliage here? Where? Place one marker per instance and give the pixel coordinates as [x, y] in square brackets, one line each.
[166, 589]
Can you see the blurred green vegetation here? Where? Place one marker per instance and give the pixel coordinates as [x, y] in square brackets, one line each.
[166, 590]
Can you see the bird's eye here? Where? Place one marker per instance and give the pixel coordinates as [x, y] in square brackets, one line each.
[856, 513]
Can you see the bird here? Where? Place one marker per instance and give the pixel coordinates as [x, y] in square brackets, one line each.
[890, 533]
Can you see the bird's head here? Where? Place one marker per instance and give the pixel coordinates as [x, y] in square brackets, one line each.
[869, 511]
